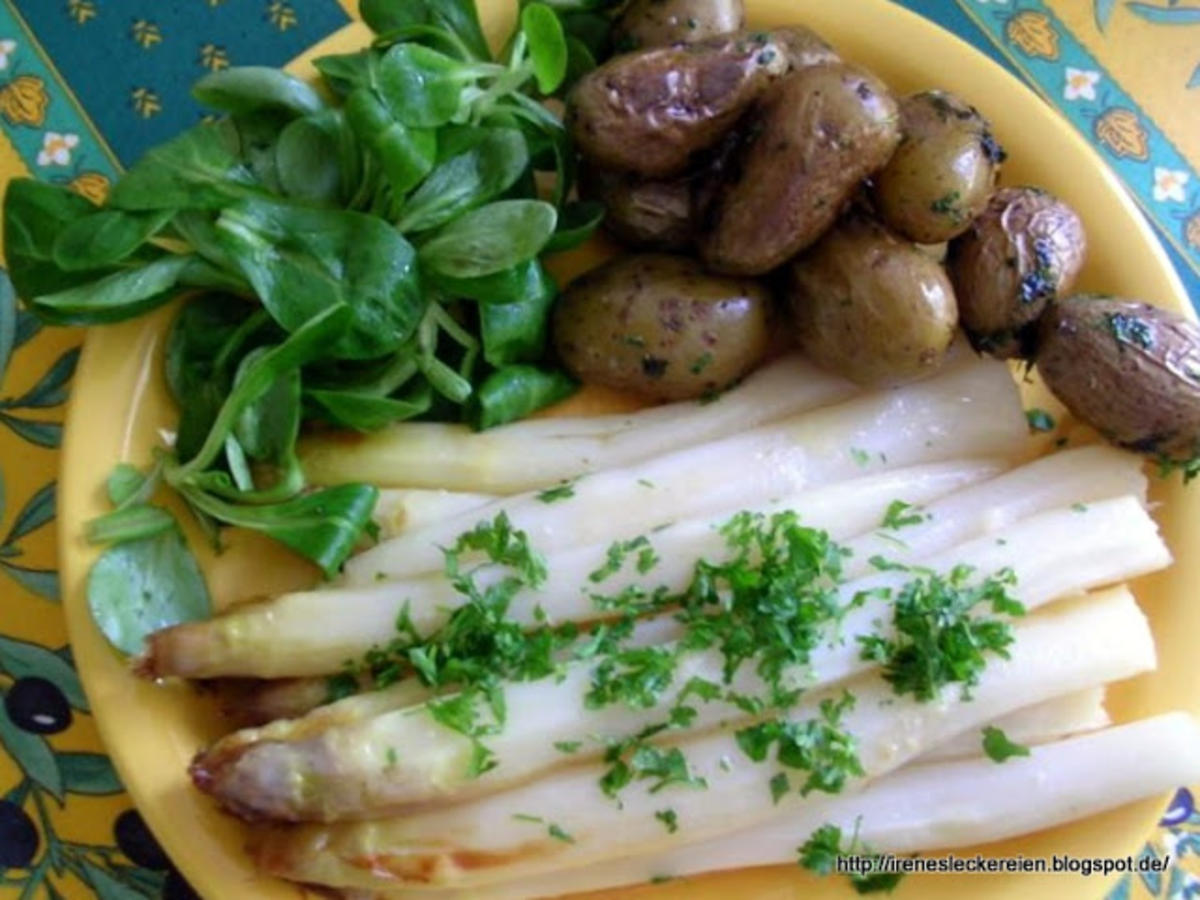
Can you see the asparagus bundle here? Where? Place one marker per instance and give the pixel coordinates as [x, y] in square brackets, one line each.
[378, 763]
[924, 807]
[882, 430]
[1069, 647]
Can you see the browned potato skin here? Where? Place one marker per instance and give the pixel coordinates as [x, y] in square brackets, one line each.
[649, 112]
[942, 174]
[870, 306]
[823, 129]
[1024, 251]
[1128, 369]
[658, 214]
[654, 214]
[803, 47]
[659, 23]
[660, 326]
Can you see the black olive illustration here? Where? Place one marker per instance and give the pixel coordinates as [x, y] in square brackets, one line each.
[137, 841]
[18, 837]
[37, 705]
[177, 888]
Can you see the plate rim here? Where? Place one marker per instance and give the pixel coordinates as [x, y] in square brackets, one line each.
[82, 632]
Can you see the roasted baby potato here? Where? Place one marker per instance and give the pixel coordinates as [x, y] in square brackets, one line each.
[1025, 250]
[1128, 369]
[647, 213]
[943, 172]
[658, 213]
[803, 47]
[649, 112]
[661, 326]
[871, 306]
[820, 131]
[659, 23]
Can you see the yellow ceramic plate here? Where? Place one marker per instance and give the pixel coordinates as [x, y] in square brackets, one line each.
[120, 403]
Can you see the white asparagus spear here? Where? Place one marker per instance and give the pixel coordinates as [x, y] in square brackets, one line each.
[398, 511]
[924, 807]
[380, 764]
[294, 634]
[1067, 647]
[1053, 720]
[316, 632]
[538, 452]
[884, 429]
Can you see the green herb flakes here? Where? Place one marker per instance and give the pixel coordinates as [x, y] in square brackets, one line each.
[998, 747]
[562, 491]
[1039, 420]
[939, 637]
[669, 819]
[900, 515]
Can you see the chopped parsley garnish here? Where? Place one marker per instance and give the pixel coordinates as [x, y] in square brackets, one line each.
[1189, 468]
[340, 686]
[555, 831]
[669, 819]
[562, 491]
[568, 746]
[392, 758]
[900, 515]
[946, 204]
[998, 747]
[702, 363]
[1042, 282]
[860, 456]
[940, 638]
[636, 760]
[1039, 420]
[780, 785]
[1079, 507]
[619, 552]
[479, 646]
[818, 746]
[1130, 330]
[820, 854]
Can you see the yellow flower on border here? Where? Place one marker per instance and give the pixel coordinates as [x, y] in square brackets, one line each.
[23, 101]
[91, 185]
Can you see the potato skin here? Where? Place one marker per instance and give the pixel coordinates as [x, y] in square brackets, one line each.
[659, 23]
[871, 306]
[659, 213]
[1128, 369]
[821, 130]
[650, 111]
[1023, 252]
[661, 326]
[803, 47]
[942, 174]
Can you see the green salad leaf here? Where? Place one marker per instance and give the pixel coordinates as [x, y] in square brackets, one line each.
[141, 585]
